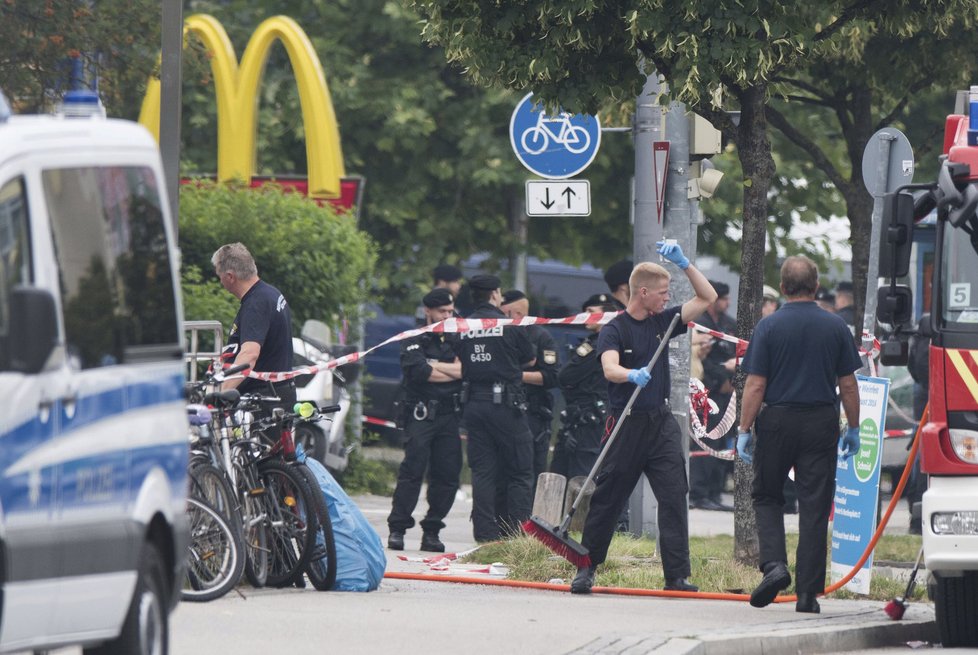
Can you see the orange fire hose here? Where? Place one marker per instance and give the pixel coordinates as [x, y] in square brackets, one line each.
[704, 595]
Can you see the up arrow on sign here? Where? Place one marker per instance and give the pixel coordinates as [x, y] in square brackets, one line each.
[553, 198]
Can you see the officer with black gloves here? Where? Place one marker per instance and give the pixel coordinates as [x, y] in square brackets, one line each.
[432, 386]
[538, 380]
[500, 446]
[586, 393]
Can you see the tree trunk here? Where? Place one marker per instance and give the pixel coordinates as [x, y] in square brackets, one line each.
[754, 149]
[859, 204]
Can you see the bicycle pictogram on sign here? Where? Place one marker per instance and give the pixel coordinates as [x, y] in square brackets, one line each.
[554, 146]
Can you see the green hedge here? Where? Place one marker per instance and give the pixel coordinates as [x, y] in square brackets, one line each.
[317, 258]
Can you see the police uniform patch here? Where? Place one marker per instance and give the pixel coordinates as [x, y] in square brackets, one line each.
[550, 357]
[584, 349]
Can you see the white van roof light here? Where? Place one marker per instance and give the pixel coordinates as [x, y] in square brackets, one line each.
[81, 103]
[4, 108]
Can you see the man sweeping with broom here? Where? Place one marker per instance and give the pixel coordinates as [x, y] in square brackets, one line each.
[649, 440]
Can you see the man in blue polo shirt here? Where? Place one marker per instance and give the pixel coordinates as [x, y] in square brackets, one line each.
[796, 357]
[649, 441]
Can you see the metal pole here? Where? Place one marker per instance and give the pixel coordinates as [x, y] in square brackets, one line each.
[646, 231]
[171, 102]
[520, 260]
[872, 271]
[647, 130]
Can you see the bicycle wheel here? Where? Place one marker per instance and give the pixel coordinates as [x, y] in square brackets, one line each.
[293, 523]
[209, 483]
[535, 140]
[214, 562]
[577, 140]
[321, 567]
[254, 526]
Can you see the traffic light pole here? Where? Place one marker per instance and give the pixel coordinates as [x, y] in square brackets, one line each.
[677, 223]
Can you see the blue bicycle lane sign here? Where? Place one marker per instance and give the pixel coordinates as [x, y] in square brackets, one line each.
[554, 146]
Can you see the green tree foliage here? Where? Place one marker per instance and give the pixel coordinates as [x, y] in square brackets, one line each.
[442, 182]
[39, 39]
[886, 69]
[316, 258]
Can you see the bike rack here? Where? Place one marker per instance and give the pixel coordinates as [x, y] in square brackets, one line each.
[192, 331]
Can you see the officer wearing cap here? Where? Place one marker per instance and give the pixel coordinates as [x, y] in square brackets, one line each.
[538, 379]
[616, 276]
[500, 446]
[586, 393]
[444, 276]
[431, 384]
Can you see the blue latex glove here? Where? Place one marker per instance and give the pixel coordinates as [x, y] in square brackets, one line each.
[849, 442]
[673, 253]
[639, 376]
[745, 449]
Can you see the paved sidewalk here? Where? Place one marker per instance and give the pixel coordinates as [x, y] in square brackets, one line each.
[662, 625]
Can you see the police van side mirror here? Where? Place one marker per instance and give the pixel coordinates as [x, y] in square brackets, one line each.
[33, 332]
[896, 240]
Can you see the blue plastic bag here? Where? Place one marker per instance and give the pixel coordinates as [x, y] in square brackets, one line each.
[360, 557]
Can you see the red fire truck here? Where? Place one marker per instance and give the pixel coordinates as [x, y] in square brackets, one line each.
[949, 439]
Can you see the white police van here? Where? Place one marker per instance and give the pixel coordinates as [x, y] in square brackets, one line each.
[93, 445]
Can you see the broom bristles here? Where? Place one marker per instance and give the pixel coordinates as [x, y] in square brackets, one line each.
[557, 542]
[895, 608]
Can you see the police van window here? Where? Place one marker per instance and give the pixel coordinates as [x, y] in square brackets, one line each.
[15, 253]
[116, 286]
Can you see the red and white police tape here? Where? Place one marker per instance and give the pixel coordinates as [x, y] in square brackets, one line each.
[458, 325]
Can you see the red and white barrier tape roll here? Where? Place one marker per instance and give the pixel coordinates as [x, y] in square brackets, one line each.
[699, 403]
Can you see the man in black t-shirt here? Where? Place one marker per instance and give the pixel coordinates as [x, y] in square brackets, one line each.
[795, 359]
[261, 335]
[650, 440]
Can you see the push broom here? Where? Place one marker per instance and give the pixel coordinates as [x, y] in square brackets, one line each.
[556, 537]
[896, 607]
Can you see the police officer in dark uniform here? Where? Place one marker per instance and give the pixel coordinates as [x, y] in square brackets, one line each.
[538, 380]
[616, 277]
[586, 394]
[431, 383]
[261, 335]
[500, 446]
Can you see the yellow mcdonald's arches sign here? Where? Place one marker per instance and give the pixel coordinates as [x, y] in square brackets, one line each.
[236, 88]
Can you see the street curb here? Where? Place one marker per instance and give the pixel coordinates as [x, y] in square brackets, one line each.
[802, 636]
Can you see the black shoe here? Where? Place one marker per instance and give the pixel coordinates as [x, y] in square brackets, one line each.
[776, 578]
[807, 603]
[396, 541]
[431, 543]
[584, 580]
[680, 584]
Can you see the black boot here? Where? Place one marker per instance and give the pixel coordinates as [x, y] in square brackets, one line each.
[776, 578]
[396, 541]
[807, 603]
[583, 581]
[431, 543]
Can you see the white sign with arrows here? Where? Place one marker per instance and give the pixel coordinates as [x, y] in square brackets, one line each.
[558, 198]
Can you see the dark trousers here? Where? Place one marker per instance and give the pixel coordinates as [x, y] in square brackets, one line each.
[807, 439]
[578, 460]
[500, 449]
[540, 428]
[706, 476]
[432, 445]
[649, 443]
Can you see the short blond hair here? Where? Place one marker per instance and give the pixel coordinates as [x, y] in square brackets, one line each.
[646, 274]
